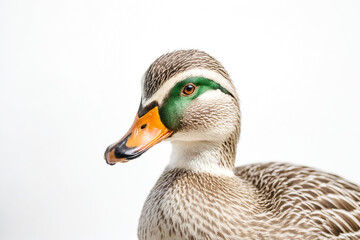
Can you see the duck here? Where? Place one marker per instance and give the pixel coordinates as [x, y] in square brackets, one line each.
[189, 100]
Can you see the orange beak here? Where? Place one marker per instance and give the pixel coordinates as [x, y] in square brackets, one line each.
[145, 132]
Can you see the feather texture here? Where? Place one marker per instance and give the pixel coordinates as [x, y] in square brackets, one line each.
[201, 195]
[262, 201]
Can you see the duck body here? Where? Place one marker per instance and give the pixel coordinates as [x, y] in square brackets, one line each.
[261, 201]
[189, 99]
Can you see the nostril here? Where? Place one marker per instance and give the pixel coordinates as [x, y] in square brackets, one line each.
[143, 126]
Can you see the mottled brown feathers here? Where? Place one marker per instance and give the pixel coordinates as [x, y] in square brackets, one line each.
[270, 201]
[328, 202]
[264, 201]
[170, 64]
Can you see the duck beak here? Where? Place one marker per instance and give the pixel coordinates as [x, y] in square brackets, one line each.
[145, 132]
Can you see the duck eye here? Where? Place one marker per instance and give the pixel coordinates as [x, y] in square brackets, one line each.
[188, 89]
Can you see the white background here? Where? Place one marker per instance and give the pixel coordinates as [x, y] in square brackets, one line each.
[70, 85]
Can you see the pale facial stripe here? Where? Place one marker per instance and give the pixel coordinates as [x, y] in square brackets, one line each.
[161, 93]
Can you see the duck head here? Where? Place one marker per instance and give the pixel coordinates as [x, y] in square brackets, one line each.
[189, 99]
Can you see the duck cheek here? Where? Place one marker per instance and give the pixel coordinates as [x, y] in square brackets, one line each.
[210, 121]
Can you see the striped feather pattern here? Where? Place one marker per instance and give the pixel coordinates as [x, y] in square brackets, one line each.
[170, 64]
[263, 201]
[259, 201]
[290, 192]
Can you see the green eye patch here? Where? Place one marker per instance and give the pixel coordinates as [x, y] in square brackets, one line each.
[175, 103]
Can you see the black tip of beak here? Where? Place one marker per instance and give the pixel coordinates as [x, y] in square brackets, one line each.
[127, 153]
[121, 151]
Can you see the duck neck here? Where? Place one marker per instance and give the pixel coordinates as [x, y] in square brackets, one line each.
[216, 158]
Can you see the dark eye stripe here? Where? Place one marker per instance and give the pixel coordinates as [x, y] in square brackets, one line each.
[143, 110]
